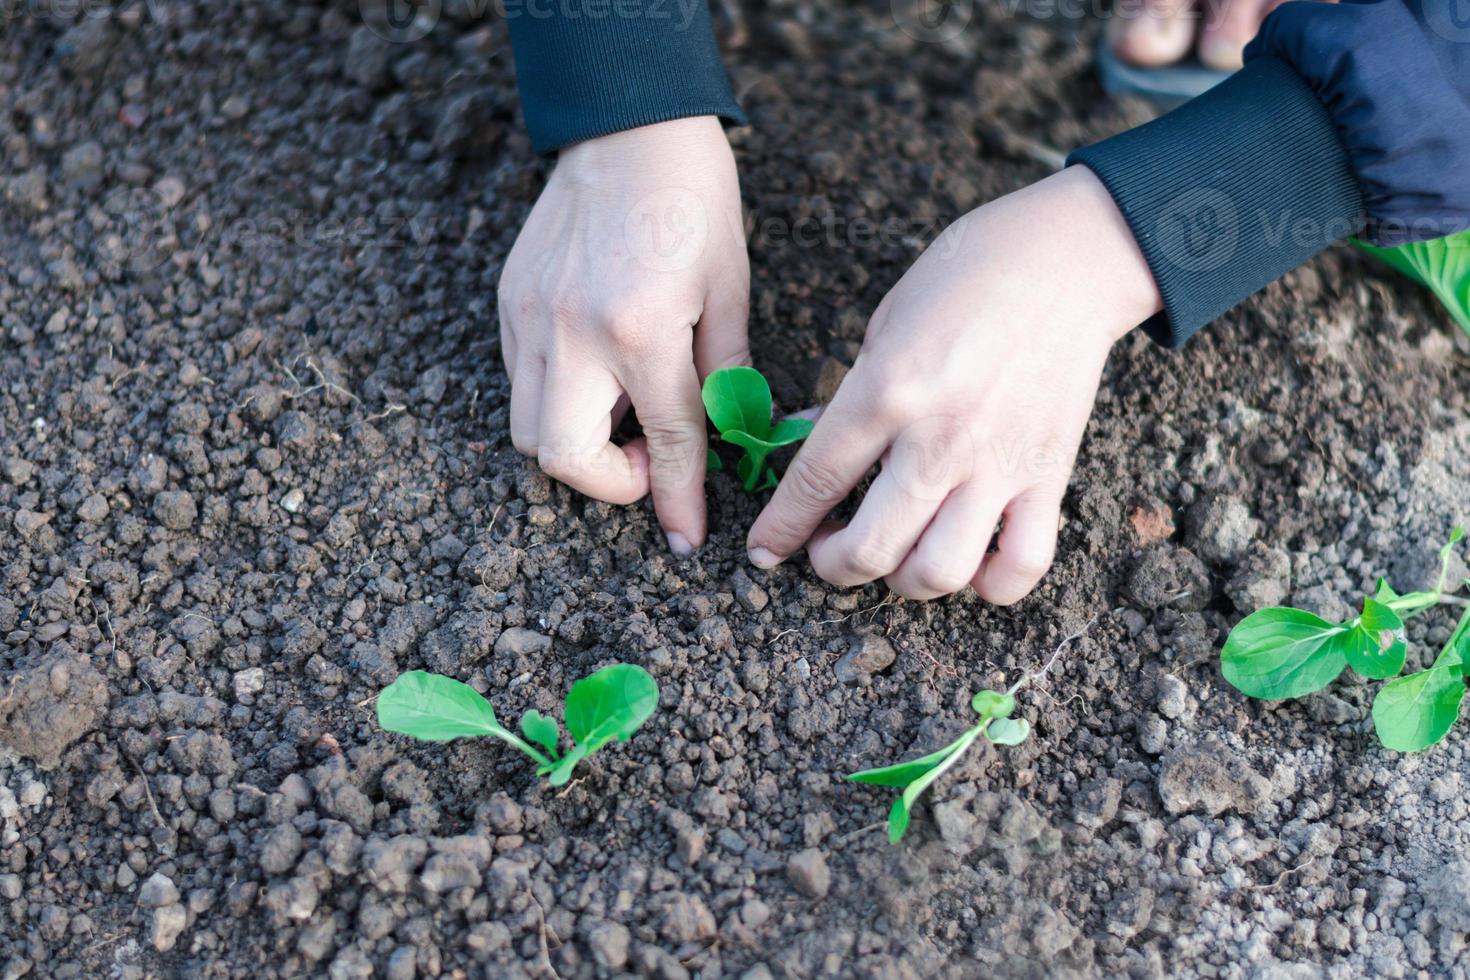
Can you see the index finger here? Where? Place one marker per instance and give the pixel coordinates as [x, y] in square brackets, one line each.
[834, 458]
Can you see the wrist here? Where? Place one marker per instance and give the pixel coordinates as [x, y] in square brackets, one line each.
[632, 150]
[1112, 259]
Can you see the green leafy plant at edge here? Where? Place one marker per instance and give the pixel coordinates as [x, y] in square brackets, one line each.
[1280, 653]
[1440, 264]
[738, 401]
[607, 705]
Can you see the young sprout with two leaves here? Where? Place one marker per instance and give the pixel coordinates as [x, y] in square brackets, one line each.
[738, 401]
[607, 705]
[917, 775]
[1282, 653]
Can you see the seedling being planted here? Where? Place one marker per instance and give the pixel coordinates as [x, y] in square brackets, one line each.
[1280, 653]
[913, 777]
[738, 401]
[609, 704]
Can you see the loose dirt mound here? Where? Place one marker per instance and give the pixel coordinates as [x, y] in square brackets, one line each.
[255, 463]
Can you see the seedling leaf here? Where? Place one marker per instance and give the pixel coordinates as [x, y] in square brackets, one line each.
[788, 431]
[1456, 536]
[1375, 647]
[609, 704]
[898, 820]
[993, 704]
[738, 400]
[1008, 731]
[1282, 653]
[541, 730]
[904, 772]
[712, 462]
[1414, 712]
[434, 708]
[744, 469]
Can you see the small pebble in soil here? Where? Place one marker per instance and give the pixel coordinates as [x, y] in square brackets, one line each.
[807, 872]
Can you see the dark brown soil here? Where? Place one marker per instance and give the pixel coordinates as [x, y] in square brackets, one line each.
[254, 463]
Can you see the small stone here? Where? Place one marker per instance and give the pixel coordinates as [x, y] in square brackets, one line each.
[807, 872]
[519, 641]
[687, 920]
[868, 654]
[1334, 934]
[1448, 894]
[249, 681]
[367, 59]
[18, 471]
[170, 191]
[292, 502]
[93, 510]
[81, 165]
[28, 522]
[1263, 579]
[235, 108]
[1222, 528]
[33, 794]
[279, 849]
[175, 509]
[168, 923]
[541, 516]
[1210, 777]
[1173, 696]
[403, 964]
[1096, 803]
[609, 942]
[747, 593]
[448, 872]
[159, 890]
[503, 814]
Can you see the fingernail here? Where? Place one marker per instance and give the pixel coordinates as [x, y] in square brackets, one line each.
[680, 545]
[763, 558]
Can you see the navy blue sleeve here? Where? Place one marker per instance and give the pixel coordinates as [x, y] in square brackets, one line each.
[1395, 78]
[1348, 119]
[590, 69]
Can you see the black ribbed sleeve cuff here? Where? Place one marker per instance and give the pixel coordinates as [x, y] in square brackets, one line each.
[638, 62]
[1229, 192]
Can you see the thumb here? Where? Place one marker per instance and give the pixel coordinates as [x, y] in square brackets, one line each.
[720, 338]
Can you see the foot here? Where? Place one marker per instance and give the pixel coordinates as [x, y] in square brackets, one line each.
[1161, 32]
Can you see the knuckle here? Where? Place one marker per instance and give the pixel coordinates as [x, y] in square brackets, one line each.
[628, 328]
[1030, 565]
[937, 577]
[814, 480]
[869, 561]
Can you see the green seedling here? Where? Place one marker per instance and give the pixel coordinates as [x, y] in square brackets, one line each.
[917, 775]
[1440, 264]
[738, 401]
[1283, 653]
[609, 704]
